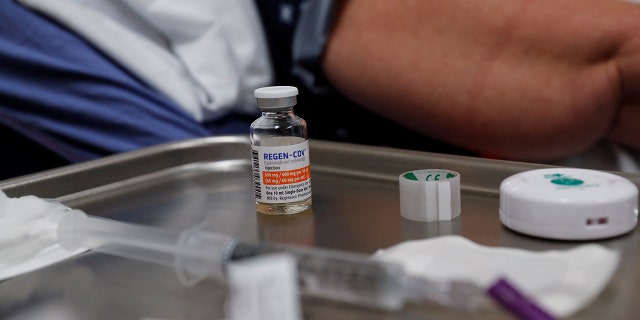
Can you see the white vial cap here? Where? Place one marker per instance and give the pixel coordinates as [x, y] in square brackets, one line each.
[276, 97]
[276, 92]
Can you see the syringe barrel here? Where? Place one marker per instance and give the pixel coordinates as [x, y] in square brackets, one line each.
[195, 253]
[78, 230]
[341, 276]
[198, 253]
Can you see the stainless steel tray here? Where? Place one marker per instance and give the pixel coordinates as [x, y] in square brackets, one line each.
[356, 208]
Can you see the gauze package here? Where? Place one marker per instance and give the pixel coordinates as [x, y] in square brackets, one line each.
[560, 281]
[28, 240]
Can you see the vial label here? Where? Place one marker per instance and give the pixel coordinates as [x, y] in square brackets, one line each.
[281, 174]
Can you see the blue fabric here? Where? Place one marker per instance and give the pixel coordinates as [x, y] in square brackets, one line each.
[65, 94]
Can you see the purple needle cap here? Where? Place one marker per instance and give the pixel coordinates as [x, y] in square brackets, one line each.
[516, 302]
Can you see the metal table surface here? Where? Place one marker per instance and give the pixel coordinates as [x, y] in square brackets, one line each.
[355, 208]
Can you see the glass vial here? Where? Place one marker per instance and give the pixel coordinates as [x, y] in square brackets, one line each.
[280, 153]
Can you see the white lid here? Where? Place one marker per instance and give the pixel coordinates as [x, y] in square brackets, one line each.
[569, 203]
[275, 92]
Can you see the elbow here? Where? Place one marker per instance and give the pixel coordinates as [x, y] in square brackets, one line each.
[539, 140]
[536, 149]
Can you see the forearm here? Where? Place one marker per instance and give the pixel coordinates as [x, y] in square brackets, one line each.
[528, 80]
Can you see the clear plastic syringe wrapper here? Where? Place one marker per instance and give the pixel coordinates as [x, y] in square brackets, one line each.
[198, 253]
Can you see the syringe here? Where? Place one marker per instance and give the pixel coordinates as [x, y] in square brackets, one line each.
[197, 253]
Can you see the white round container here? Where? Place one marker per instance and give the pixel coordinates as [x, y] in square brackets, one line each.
[569, 204]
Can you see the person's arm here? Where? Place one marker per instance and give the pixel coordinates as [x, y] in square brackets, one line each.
[517, 79]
